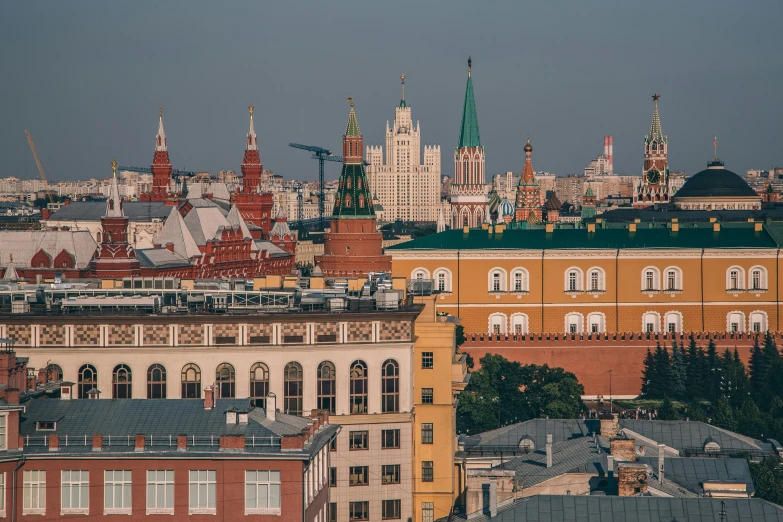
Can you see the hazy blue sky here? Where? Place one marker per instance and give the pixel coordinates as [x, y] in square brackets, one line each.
[86, 79]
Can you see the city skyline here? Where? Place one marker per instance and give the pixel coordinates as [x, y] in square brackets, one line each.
[85, 103]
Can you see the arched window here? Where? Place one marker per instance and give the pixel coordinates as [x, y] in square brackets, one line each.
[361, 201]
[420, 273]
[672, 278]
[497, 280]
[527, 445]
[596, 322]
[121, 382]
[259, 384]
[359, 183]
[651, 279]
[673, 322]
[735, 278]
[735, 322]
[326, 387]
[54, 373]
[88, 379]
[111, 204]
[519, 324]
[348, 200]
[758, 321]
[711, 446]
[443, 280]
[225, 378]
[358, 387]
[292, 389]
[574, 323]
[348, 183]
[497, 324]
[191, 381]
[574, 280]
[758, 278]
[519, 280]
[390, 386]
[651, 322]
[156, 382]
[596, 280]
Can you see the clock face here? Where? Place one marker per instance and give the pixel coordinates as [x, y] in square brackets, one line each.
[653, 176]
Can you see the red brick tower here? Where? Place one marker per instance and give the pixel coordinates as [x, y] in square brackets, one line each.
[161, 168]
[353, 247]
[115, 257]
[528, 199]
[254, 206]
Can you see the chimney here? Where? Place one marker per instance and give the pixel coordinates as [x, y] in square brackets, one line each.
[622, 448]
[42, 376]
[661, 455]
[716, 227]
[631, 479]
[12, 396]
[591, 227]
[140, 442]
[232, 442]
[231, 416]
[610, 465]
[97, 442]
[170, 246]
[609, 425]
[209, 398]
[493, 497]
[548, 450]
[675, 227]
[611, 154]
[632, 227]
[271, 406]
[67, 202]
[292, 442]
[465, 229]
[65, 391]
[758, 227]
[549, 228]
[46, 213]
[94, 393]
[54, 442]
[606, 146]
[182, 442]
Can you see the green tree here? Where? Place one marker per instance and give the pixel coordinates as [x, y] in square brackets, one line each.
[553, 392]
[185, 187]
[756, 369]
[666, 410]
[679, 372]
[767, 479]
[712, 373]
[724, 415]
[750, 419]
[648, 374]
[693, 369]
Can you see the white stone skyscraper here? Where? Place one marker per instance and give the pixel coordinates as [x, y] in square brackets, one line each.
[408, 189]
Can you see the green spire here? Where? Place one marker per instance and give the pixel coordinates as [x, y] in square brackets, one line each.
[353, 126]
[353, 199]
[469, 131]
[589, 192]
[402, 100]
[655, 127]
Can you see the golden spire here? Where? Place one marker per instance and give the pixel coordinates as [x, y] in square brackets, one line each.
[350, 100]
[161, 111]
[114, 167]
[250, 108]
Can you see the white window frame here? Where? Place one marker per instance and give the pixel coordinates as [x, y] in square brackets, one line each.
[740, 278]
[503, 323]
[80, 480]
[574, 318]
[760, 314]
[502, 280]
[656, 322]
[257, 480]
[167, 482]
[34, 485]
[208, 480]
[740, 323]
[2, 494]
[656, 279]
[579, 279]
[114, 481]
[524, 280]
[4, 431]
[763, 285]
[420, 271]
[428, 512]
[522, 320]
[598, 318]
[446, 279]
[601, 279]
[677, 320]
[677, 278]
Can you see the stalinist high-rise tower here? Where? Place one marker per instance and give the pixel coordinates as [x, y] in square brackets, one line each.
[408, 189]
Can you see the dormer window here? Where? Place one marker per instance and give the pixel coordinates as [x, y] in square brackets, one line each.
[45, 426]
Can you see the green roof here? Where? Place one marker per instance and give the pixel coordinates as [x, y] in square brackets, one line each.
[353, 199]
[469, 131]
[353, 125]
[580, 239]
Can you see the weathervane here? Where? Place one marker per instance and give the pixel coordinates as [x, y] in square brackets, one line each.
[114, 167]
[250, 108]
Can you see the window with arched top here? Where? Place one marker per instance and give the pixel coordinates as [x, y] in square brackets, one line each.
[88, 379]
[527, 445]
[111, 204]
[54, 373]
[672, 279]
[735, 322]
[225, 378]
[358, 397]
[121, 382]
[420, 274]
[361, 200]
[735, 278]
[156, 382]
[596, 322]
[292, 389]
[574, 323]
[359, 183]
[596, 280]
[497, 280]
[348, 182]
[519, 324]
[651, 322]
[574, 279]
[191, 381]
[672, 322]
[347, 200]
[712, 447]
[326, 387]
[757, 280]
[758, 321]
[520, 280]
[443, 280]
[390, 386]
[651, 279]
[259, 384]
[498, 323]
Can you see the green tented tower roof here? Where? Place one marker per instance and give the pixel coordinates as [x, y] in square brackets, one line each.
[469, 131]
[353, 199]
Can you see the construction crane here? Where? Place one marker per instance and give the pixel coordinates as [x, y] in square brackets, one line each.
[299, 205]
[40, 167]
[321, 154]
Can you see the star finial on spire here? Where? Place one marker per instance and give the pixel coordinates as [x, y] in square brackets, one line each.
[470, 63]
[656, 97]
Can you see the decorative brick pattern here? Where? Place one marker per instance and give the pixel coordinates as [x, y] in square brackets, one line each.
[20, 332]
[156, 335]
[86, 334]
[52, 334]
[294, 329]
[259, 334]
[190, 334]
[359, 331]
[121, 334]
[225, 332]
[327, 328]
[395, 331]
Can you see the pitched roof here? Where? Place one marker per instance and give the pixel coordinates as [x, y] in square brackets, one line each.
[20, 246]
[94, 211]
[682, 435]
[176, 231]
[536, 430]
[691, 473]
[469, 130]
[352, 129]
[579, 239]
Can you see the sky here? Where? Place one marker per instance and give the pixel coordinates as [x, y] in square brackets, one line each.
[86, 79]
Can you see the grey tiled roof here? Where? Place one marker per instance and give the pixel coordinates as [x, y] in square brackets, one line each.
[94, 211]
[688, 434]
[160, 258]
[690, 473]
[544, 508]
[536, 430]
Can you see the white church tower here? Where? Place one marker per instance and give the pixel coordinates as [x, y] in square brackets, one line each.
[408, 189]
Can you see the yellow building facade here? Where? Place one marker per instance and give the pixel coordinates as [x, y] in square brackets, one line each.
[654, 278]
[439, 375]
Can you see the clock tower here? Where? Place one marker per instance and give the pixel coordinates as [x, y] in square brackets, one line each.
[654, 186]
